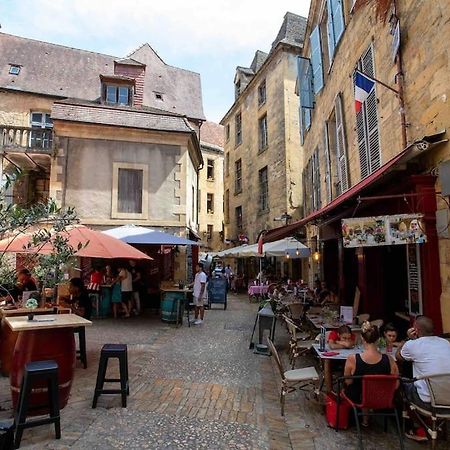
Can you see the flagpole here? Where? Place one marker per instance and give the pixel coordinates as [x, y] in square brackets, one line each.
[379, 82]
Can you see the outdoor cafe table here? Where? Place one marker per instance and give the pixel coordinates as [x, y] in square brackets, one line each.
[47, 337]
[341, 355]
[258, 289]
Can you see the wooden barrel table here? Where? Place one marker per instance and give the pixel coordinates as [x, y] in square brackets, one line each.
[172, 304]
[48, 337]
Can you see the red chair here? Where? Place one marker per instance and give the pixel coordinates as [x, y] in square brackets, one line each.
[377, 394]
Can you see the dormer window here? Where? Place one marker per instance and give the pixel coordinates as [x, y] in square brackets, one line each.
[237, 88]
[118, 95]
[14, 69]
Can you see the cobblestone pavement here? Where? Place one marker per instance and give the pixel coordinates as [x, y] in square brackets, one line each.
[191, 388]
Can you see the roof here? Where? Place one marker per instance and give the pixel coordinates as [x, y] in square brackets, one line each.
[258, 60]
[128, 62]
[123, 117]
[212, 133]
[411, 151]
[65, 72]
[292, 30]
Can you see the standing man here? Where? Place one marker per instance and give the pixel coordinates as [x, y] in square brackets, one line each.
[136, 275]
[199, 294]
[229, 276]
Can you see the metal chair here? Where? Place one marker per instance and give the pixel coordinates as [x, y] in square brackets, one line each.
[377, 394]
[439, 412]
[292, 380]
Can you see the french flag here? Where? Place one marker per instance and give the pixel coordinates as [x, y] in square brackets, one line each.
[363, 87]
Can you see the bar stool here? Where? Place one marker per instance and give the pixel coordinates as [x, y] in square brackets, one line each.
[7, 435]
[112, 351]
[81, 352]
[33, 372]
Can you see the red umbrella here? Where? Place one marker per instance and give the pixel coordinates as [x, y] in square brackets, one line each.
[95, 245]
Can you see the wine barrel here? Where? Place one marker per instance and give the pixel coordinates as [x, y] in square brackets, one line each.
[56, 344]
[7, 342]
[169, 302]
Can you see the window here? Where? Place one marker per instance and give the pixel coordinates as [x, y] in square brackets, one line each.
[311, 184]
[226, 206]
[238, 212]
[316, 59]
[367, 123]
[210, 169]
[238, 176]
[263, 190]
[263, 138]
[238, 128]
[335, 25]
[209, 232]
[14, 69]
[306, 93]
[262, 93]
[227, 164]
[118, 95]
[41, 135]
[129, 193]
[227, 132]
[237, 89]
[316, 202]
[210, 203]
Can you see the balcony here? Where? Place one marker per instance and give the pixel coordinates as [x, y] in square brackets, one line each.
[26, 139]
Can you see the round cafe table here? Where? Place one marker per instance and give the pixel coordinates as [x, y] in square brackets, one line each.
[47, 337]
[255, 289]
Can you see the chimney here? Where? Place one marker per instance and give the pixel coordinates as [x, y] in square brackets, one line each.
[132, 69]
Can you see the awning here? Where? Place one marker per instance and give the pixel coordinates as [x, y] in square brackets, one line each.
[411, 151]
[132, 234]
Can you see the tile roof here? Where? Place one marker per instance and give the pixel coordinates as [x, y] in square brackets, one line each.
[292, 30]
[258, 60]
[212, 133]
[66, 72]
[78, 111]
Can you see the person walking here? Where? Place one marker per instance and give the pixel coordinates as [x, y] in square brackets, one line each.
[199, 294]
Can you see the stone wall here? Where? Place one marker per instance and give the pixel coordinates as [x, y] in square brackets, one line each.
[283, 155]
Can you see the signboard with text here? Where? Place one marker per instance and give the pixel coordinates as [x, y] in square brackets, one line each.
[383, 230]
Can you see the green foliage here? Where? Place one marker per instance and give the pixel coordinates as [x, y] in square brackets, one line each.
[45, 223]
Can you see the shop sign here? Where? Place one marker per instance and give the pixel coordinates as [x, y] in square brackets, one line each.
[414, 279]
[383, 230]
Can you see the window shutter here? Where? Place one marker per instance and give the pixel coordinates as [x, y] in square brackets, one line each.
[373, 139]
[305, 76]
[341, 147]
[338, 19]
[327, 164]
[330, 31]
[316, 59]
[307, 117]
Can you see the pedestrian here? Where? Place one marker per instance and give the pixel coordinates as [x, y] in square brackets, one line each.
[80, 301]
[199, 294]
[121, 291]
[136, 278]
[229, 276]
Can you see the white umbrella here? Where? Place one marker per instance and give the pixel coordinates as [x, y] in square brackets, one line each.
[287, 246]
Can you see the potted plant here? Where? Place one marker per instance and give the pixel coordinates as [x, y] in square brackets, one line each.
[31, 304]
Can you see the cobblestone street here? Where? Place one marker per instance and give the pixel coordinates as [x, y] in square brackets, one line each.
[197, 387]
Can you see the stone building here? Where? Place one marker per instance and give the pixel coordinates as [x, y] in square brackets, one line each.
[210, 193]
[263, 157]
[117, 138]
[389, 158]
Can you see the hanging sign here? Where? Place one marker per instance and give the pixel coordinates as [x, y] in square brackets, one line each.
[383, 230]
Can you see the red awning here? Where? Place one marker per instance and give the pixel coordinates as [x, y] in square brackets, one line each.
[410, 152]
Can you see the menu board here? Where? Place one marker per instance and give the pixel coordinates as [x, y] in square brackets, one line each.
[414, 279]
[383, 230]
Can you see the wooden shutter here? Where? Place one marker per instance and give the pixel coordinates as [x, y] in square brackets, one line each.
[316, 59]
[341, 146]
[330, 31]
[371, 113]
[335, 25]
[326, 149]
[129, 190]
[307, 117]
[316, 180]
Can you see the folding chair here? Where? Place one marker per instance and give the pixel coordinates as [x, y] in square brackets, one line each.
[439, 412]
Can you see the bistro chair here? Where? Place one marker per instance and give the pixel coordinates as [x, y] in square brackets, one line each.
[292, 380]
[362, 318]
[439, 413]
[377, 323]
[378, 393]
[299, 343]
[296, 312]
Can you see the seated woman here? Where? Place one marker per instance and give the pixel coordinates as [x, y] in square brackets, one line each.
[369, 362]
[341, 338]
[390, 334]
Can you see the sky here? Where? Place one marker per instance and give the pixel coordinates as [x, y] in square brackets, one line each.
[209, 37]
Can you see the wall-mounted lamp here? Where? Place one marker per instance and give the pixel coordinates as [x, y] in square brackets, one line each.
[287, 254]
[297, 252]
[316, 256]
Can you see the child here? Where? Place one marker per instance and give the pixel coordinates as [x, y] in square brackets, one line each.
[341, 338]
[391, 336]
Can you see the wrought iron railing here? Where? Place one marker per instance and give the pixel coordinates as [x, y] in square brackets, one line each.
[26, 138]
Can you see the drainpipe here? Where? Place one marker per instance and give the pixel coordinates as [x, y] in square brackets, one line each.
[400, 81]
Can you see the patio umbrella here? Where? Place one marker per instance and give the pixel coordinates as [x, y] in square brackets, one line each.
[99, 245]
[133, 234]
